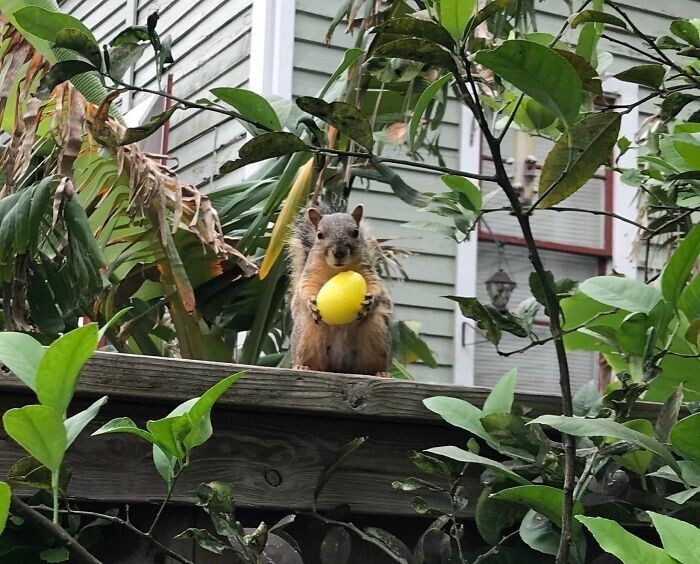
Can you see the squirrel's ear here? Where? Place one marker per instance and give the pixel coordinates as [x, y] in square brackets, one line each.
[357, 213]
[314, 216]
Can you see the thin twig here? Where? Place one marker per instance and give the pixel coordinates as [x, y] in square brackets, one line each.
[77, 550]
[495, 548]
[633, 48]
[655, 94]
[191, 105]
[127, 525]
[649, 42]
[171, 489]
[577, 210]
[363, 155]
[359, 532]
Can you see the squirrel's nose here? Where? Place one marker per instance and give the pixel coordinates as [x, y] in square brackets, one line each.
[339, 253]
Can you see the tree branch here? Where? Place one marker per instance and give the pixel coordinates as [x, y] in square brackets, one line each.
[121, 522]
[78, 551]
[552, 307]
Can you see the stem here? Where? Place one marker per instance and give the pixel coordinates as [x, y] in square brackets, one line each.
[364, 536]
[78, 551]
[127, 525]
[551, 303]
[413, 164]
[54, 492]
[191, 105]
[171, 488]
[494, 549]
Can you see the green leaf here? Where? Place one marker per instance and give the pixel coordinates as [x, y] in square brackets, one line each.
[217, 500]
[418, 28]
[132, 34]
[613, 539]
[412, 344]
[249, 105]
[39, 430]
[540, 73]
[579, 427]
[674, 103]
[640, 460]
[388, 175]
[681, 497]
[454, 15]
[124, 425]
[575, 158]
[500, 399]
[136, 134]
[544, 499]
[61, 365]
[689, 302]
[77, 41]
[684, 437]
[75, 424]
[59, 73]
[680, 266]
[29, 472]
[459, 413]
[680, 539]
[57, 554]
[47, 24]
[265, 146]
[466, 187]
[418, 50]
[686, 31]
[491, 9]
[5, 499]
[632, 334]
[586, 399]
[349, 57]
[690, 153]
[462, 455]
[205, 540]
[493, 517]
[339, 457]
[590, 80]
[22, 354]
[346, 118]
[539, 533]
[200, 412]
[169, 433]
[124, 56]
[595, 16]
[668, 415]
[473, 309]
[426, 96]
[646, 75]
[624, 293]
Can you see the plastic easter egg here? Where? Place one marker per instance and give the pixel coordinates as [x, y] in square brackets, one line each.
[340, 299]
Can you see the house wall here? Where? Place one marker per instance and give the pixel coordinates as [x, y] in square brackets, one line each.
[212, 47]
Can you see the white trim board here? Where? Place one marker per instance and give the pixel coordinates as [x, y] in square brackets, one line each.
[624, 197]
[272, 47]
[465, 284]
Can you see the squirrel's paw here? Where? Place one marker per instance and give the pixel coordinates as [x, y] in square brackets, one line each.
[367, 305]
[313, 309]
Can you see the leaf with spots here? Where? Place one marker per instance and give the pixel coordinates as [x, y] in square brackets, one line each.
[345, 117]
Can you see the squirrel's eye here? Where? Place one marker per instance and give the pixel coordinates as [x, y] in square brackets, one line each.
[356, 233]
[319, 235]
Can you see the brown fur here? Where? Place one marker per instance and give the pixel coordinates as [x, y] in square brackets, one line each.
[363, 346]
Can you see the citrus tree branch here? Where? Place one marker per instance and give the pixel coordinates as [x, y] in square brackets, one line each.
[78, 551]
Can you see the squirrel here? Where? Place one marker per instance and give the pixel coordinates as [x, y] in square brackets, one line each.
[321, 247]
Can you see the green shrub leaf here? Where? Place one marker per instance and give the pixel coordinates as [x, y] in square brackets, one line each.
[546, 500]
[540, 73]
[22, 354]
[39, 430]
[576, 157]
[75, 424]
[624, 293]
[462, 455]
[249, 105]
[684, 437]
[680, 266]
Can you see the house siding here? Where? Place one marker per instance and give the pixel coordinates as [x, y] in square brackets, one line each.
[212, 46]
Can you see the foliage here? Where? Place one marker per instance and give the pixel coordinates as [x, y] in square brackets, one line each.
[556, 476]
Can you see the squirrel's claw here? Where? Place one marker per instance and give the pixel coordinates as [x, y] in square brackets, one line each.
[313, 309]
[367, 305]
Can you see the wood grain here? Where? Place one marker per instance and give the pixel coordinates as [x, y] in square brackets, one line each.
[279, 389]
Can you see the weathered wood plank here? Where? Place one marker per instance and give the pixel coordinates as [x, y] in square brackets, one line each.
[279, 389]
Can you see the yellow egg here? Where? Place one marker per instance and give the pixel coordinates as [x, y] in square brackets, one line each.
[340, 299]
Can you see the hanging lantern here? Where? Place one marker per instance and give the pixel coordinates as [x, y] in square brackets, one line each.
[500, 287]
